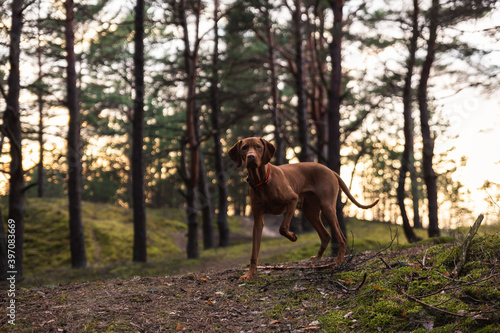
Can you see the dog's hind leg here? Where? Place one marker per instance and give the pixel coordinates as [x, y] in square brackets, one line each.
[330, 215]
[311, 210]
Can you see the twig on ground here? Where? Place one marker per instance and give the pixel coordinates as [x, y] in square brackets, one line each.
[446, 287]
[362, 283]
[465, 246]
[476, 317]
[385, 263]
[424, 258]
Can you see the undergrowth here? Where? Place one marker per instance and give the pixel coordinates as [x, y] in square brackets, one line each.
[408, 296]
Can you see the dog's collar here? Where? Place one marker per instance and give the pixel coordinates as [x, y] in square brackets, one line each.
[262, 183]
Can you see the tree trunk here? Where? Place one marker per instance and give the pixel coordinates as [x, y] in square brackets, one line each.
[219, 163]
[316, 47]
[3, 245]
[192, 247]
[334, 100]
[192, 220]
[407, 157]
[77, 241]
[12, 123]
[138, 201]
[203, 194]
[415, 196]
[3, 235]
[206, 207]
[191, 64]
[428, 141]
[300, 85]
[41, 173]
[279, 155]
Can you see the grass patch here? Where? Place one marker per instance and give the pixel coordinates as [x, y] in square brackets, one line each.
[108, 234]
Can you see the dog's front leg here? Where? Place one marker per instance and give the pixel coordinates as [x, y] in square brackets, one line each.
[285, 225]
[258, 225]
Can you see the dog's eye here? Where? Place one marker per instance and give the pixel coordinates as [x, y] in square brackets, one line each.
[244, 148]
[258, 147]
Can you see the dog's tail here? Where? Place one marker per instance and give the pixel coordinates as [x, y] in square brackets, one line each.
[345, 189]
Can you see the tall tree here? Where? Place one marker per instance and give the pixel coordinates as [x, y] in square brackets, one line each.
[407, 163]
[191, 66]
[316, 47]
[220, 171]
[3, 236]
[442, 16]
[3, 246]
[138, 201]
[205, 202]
[428, 140]
[77, 241]
[335, 99]
[40, 102]
[300, 82]
[13, 131]
[279, 155]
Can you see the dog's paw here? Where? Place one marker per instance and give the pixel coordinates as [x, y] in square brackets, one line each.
[246, 277]
[293, 237]
[315, 258]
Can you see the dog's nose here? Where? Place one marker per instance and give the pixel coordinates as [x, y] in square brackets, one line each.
[250, 157]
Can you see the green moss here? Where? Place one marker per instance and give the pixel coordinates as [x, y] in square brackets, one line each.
[438, 240]
[336, 321]
[492, 328]
[446, 257]
[118, 326]
[108, 234]
[482, 293]
[380, 305]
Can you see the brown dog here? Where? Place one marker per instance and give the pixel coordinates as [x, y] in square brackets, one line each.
[277, 189]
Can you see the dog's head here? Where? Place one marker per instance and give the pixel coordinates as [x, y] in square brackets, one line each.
[254, 152]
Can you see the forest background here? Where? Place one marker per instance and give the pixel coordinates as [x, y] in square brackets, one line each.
[144, 99]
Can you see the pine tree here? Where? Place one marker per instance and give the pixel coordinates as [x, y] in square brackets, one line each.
[12, 130]
[140, 240]
[77, 241]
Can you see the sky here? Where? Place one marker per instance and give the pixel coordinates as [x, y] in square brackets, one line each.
[475, 120]
[474, 117]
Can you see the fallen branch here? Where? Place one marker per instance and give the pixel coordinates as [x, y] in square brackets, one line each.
[341, 285]
[276, 267]
[385, 263]
[466, 244]
[424, 258]
[441, 310]
[361, 284]
[447, 286]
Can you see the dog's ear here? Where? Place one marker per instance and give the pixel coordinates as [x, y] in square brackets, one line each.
[269, 150]
[234, 153]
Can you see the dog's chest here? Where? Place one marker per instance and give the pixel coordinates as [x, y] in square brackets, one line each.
[272, 203]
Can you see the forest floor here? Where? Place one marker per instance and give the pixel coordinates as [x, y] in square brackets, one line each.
[408, 289]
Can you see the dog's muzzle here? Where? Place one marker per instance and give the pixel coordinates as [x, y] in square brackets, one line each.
[251, 160]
